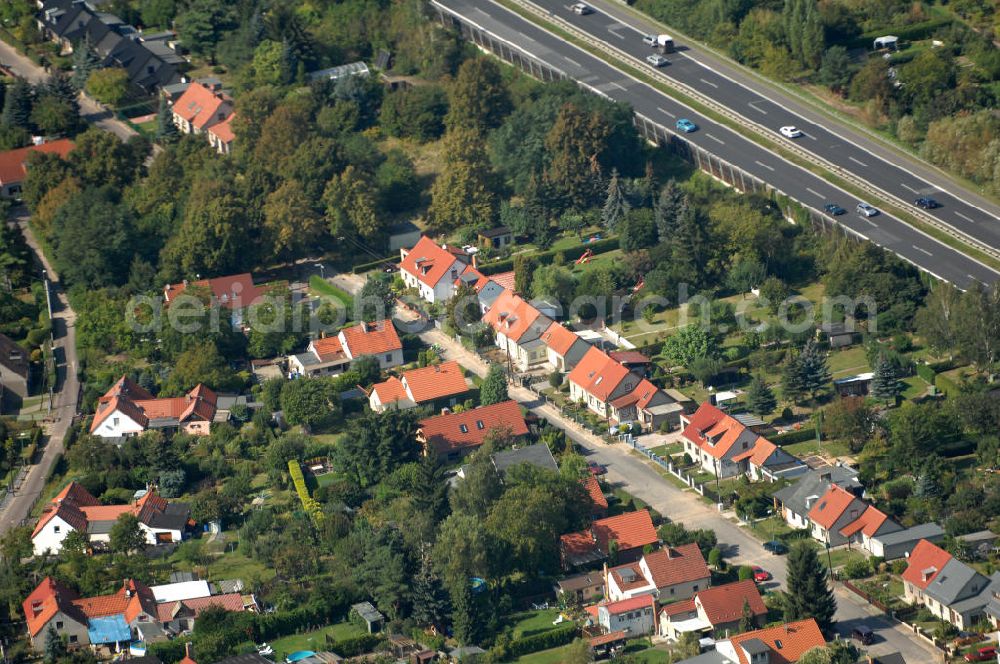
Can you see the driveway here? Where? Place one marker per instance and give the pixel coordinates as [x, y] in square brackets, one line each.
[634, 473]
[15, 508]
[90, 110]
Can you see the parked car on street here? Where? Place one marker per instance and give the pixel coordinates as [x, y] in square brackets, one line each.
[864, 634]
[760, 575]
[987, 654]
[777, 547]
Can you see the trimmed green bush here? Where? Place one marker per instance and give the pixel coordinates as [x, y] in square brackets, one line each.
[792, 437]
[309, 504]
[357, 645]
[536, 642]
[927, 373]
[946, 385]
[546, 257]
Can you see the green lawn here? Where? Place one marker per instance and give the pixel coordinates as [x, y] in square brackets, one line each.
[321, 286]
[848, 361]
[829, 447]
[641, 651]
[529, 623]
[235, 565]
[665, 451]
[314, 640]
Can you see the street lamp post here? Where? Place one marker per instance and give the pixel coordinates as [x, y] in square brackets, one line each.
[322, 271]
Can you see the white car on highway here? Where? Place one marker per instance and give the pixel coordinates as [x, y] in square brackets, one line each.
[649, 40]
[581, 9]
[866, 210]
[657, 60]
[790, 132]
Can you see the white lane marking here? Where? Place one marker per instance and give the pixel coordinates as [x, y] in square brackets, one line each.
[717, 140]
[969, 219]
[708, 83]
[809, 136]
[526, 36]
[859, 163]
[924, 251]
[665, 111]
[909, 188]
[870, 222]
[569, 59]
[770, 168]
[618, 85]
[761, 110]
[815, 193]
[612, 31]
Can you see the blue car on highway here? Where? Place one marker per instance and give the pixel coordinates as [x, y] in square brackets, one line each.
[686, 126]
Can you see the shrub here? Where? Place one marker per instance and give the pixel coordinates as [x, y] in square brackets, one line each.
[858, 568]
[791, 437]
[899, 566]
[927, 373]
[745, 572]
[357, 645]
[309, 504]
[536, 642]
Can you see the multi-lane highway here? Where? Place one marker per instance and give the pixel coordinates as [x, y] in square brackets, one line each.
[891, 233]
[823, 141]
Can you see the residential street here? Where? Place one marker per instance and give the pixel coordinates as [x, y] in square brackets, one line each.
[90, 110]
[64, 400]
[636, 475]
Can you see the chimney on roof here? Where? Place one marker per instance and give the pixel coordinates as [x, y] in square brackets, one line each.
[445, 410]
[185, 282]
[437, 368]
[475, 266]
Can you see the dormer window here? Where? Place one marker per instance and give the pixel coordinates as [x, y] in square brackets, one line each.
[480, 425]
[463, 428]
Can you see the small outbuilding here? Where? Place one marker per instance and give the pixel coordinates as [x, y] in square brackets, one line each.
[888, 42]
[374, 620]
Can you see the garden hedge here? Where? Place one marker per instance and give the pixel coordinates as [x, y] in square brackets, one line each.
[309, 504]
[792, 437]
[546, 257]
[536, 642]
[927, 373]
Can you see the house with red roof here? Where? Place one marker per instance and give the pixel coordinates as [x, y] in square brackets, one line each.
[453, 435]
[668, 574]
[725, 447]
[618, 395]
[132, 612]
[783, 644]
[635, 616]
[564, 348]
[74, 509]
[840, 517]
[14, 164]
[598, 502]
[631, 532]
[323, 357]
[127, 410]
[432, 269]
[947, 587]
[438, 384]
[203, 107]
[713, 612]
[235, 292]
[376, 339]
[518, 327]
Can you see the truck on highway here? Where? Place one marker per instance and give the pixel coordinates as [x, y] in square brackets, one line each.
[664, 44]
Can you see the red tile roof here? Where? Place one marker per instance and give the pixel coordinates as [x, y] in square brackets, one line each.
[678, 564]
[511, 315]
[724, 604]
[435, 382]
[603, 639]
[67, 505]
[794, 638]
[371, 338]
[593, 488]
[677, 608]
[831, 506]
[229, 602]
[224, 130]
[126, 387]
[481, 279]
[226, 291]
[709, 423]
[925, 562]
[628, 357]
[390, 390]
[504, 279]
[200, 105]
[327, 349]
[631, 604]
[429, 262]
[868, 523]
[198, 404]
[560, 339]
[632, 530]
[574, 545]
[759, 453]
[45, 601]
[455, 431]
[13, 163]
[640, 396]
[597, 374]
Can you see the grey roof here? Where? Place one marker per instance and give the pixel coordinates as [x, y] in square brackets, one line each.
[579, 581]
[100, 527]
[368, 612]
[755, 646]
[182, 577]
[227, 586]
[891, 658]
[992, 591]
[464, 651]
[246, 658]
[307, 359]
[951, 584]
[495, 232]
[749, 420]
[816, 483]
[174, 517]
[925, 531]
[980, 536]
[709, 657]
[13, 357]
[489, 293]
[535, 455]
[665, 408]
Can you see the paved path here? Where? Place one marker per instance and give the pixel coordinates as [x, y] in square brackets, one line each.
[64, 400]
[636, 474]
[90, 110]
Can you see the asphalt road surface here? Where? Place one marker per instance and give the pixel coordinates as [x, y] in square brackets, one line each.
[885, 230]
[822, 139]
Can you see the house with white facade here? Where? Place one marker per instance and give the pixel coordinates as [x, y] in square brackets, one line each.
[518, 328]
[74, 509]
[795, 501]
[322, 357]
[714, 612]
[635, 617]
[127, 409]
[619, 395]
[668, 574]
[442, 383]
[203, 108]
[947, 587]
[432, 269]
[840, 517]
[564, 348]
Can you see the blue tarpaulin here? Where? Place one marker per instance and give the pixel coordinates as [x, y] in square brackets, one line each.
[109, 629]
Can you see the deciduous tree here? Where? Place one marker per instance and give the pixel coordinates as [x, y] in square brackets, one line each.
[108, 86]
[494, 387]
[126, 535]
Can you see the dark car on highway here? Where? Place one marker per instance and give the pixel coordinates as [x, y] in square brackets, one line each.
[926, 203]
[834, 209]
